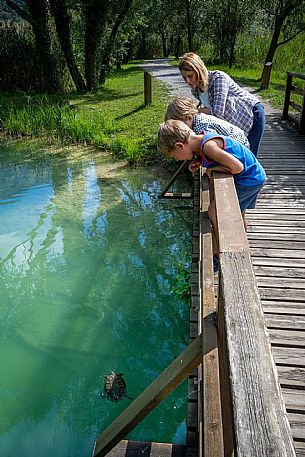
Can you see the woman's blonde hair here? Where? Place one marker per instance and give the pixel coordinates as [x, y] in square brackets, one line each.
[191, 61]
[180, 109]
[170, 133]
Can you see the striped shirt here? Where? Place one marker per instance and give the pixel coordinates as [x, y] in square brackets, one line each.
[207, 123]
[229, 101]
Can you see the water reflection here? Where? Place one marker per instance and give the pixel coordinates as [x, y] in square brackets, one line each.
[87, 256]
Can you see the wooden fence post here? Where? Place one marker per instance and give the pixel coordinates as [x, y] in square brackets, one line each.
[147, 89]
[287, 95]
[302, 119]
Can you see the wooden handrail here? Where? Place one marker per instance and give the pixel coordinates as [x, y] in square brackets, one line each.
[288, 102]
[254, 416]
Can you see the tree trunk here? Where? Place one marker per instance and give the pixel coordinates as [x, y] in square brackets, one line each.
[111, 40]
[142, 45]
[62, 22]
[178, 46]
[279, 20]
[164, 47]
[95, 15]
[189, 25]
[232, 48]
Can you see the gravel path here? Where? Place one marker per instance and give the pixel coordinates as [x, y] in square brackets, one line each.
[161, 69]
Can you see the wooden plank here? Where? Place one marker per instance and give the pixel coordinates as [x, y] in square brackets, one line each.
[283, 307]
[281, 294]
[283, 272]
[278, 262]
[289, 237]
[289, 357]
[297, 424]
[210, 416]
[127, 448]
[165, 383]
[280, 253]
[253, 377]
[299, 447]
[294, 400]
[178, 195]
[274, 282]
[288, 338]
[285, 322]
[291, 376]
[255, 229]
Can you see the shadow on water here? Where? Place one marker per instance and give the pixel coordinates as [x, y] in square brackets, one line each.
[87, 261]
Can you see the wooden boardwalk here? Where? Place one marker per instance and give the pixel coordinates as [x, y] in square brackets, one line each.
[276, 233]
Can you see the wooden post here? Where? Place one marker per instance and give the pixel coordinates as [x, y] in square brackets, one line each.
[147, 89]
[302, 119]
[266, 76]
[287, 95]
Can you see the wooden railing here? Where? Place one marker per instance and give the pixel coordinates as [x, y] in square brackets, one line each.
[288, 102]
[253, 411]
[241, 411]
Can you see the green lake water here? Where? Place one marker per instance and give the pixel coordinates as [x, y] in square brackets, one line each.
[87, 262]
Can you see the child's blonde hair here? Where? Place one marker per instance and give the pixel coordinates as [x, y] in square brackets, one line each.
[170, 133]
[180, 109]
[191, 61]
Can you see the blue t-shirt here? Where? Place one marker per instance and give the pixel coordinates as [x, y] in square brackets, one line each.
[253, 173]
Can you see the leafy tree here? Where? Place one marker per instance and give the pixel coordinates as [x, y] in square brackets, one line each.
[37, 13]
[287, 16]
[224, 19]
[110, 43]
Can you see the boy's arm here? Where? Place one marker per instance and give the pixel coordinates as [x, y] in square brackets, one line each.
[226, 162]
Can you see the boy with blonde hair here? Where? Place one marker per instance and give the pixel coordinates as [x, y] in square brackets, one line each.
[215, 153]
[185, 110]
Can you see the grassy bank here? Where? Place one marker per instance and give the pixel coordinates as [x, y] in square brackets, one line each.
[113, 117]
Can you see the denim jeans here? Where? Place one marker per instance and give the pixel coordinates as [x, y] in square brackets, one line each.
[258, 127]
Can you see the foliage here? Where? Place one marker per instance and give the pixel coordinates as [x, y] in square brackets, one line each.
[18, 58]
[113, 117]
[182, 287]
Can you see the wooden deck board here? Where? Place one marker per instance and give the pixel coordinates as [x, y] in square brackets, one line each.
[277, 239]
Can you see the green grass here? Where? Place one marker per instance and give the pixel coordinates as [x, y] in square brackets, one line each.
[113, 117]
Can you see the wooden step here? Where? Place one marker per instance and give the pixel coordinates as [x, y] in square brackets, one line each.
[127, 448]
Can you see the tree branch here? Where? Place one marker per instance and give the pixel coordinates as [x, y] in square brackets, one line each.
[291, 38]
[24, 14]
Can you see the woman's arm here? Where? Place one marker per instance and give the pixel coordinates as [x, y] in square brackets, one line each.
[220, 94]
[226, 162]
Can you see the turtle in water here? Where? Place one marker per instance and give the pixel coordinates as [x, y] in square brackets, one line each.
[114, 387]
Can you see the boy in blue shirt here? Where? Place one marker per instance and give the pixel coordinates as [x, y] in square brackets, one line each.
[215, 153]
[184, 109]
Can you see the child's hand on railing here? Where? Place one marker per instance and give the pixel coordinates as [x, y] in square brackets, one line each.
[194, 165]
[209, 172]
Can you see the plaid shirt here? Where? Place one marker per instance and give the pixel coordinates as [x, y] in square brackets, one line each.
[229, 101]
[208, 123]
